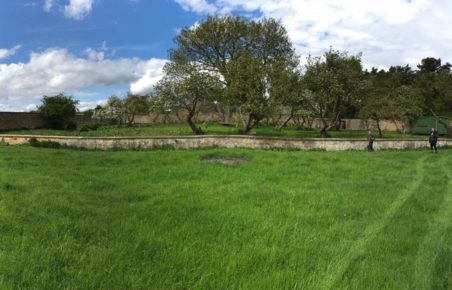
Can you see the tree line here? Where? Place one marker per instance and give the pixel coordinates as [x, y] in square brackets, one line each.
[250, 68]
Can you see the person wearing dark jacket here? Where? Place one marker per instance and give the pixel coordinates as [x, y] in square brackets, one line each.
[433, 139]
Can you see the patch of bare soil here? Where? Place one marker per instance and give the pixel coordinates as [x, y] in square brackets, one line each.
[229, 160]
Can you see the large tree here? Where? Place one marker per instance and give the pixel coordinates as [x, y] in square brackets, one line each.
[242, 54]
[336, 81]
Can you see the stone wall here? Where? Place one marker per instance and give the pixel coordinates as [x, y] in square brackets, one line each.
[255, 142]
[27, 120]
[347, 124]
[20, 120]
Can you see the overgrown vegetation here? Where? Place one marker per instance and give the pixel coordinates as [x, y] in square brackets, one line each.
[168, 220]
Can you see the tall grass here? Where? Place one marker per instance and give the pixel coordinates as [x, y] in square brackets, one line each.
[165, 219]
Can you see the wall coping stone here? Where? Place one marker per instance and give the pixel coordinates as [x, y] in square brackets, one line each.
[212, 136]
[223, 141]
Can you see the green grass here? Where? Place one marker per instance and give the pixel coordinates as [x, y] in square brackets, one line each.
[209, 128]
[164, 219]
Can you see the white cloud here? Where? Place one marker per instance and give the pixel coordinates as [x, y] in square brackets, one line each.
[153, 73]
[388, 32]
[94, 54]
[48, 4]
[56, 70]
[4, 53]
[75, 9]
[78, 9]
[86, 105]
[199, 6]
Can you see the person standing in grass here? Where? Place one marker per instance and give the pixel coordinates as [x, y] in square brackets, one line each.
[433, 139]
[370, 140]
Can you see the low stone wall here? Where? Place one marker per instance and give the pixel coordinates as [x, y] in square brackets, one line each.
[255, 142]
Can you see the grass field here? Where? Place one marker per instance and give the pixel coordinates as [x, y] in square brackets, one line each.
[165, 219]
[208, 128]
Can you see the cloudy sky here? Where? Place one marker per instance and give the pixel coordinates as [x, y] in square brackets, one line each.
[92, 49]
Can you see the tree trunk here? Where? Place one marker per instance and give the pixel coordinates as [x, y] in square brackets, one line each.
[250, 124]
[323, 133]
[285, 122]
[196, 130]
[380, 134]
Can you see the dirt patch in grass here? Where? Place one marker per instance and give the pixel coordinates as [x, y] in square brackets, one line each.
[225, 159]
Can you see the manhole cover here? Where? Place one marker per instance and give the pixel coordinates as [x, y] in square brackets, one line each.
[225, 159]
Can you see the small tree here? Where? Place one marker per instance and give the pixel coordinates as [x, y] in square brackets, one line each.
[185, 87]
[123, 111]
[58, 110]
[135, 105]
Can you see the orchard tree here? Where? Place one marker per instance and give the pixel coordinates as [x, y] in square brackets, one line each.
[123, 111]
[135, 105]
[390, 95]
[58, 110]
[434, 81]
[336, 81]
[185, 86]
[241, 54]
[114, 110]
[289, 96]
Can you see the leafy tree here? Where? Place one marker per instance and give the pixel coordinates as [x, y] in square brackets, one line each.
[123, 111]
[434, 81]
[58, 110]
[185, 87]
[241, 54]
[391, 96]
[289, 96]
[135, 105]
[336, 81]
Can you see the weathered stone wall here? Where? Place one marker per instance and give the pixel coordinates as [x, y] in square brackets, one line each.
[348, 124]
[255, 142]
[20, 120]
[385, 125]
[27, 120]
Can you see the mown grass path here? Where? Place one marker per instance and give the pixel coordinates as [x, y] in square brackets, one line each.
[435, 238]
[359, 248]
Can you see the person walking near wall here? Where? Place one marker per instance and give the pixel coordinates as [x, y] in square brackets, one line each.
[370, 140]
[433, 139]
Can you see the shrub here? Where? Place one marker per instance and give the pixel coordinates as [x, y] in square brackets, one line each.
[57, 111]
[89, 126]
[44, 144]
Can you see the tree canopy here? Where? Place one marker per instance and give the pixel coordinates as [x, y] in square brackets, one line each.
[57, 110]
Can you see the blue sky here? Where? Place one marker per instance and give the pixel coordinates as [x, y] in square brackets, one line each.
[92, 49]
[141, 29]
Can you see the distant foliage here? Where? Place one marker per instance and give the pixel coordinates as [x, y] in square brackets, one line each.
[123, 111]
[58, 110]
[90, 126]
